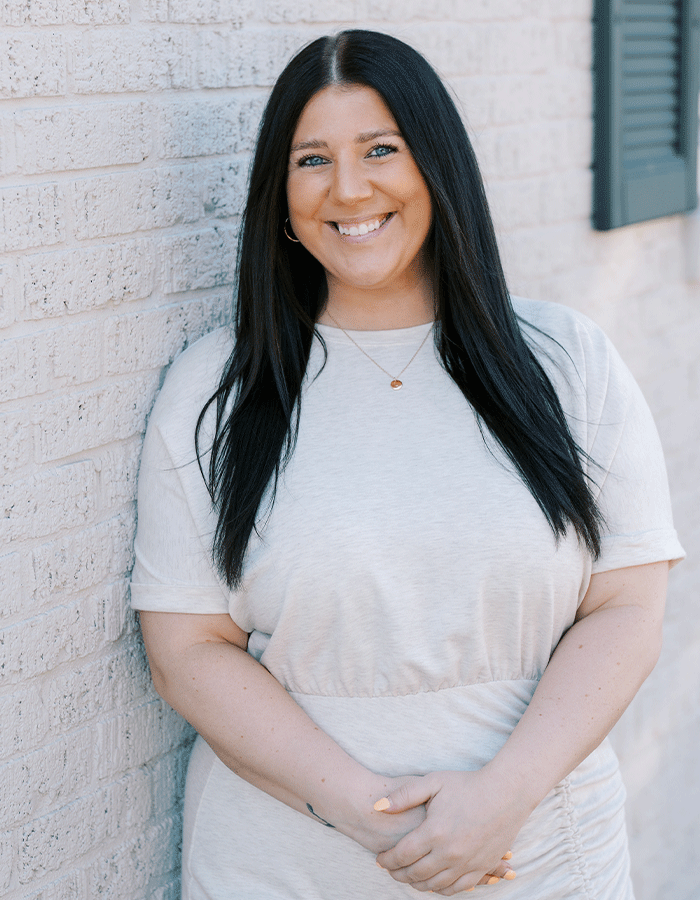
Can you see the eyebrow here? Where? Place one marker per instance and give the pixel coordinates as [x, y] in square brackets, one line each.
[360, 139]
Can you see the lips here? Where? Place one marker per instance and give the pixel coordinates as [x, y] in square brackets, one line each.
[366, 226]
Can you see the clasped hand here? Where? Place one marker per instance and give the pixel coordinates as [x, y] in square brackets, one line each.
[467, 831]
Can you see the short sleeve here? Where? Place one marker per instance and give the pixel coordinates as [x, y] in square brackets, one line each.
[174, 571]
[611, 422]
[629, 472]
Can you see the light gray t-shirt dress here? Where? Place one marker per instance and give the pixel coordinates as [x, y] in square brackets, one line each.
[408, 593]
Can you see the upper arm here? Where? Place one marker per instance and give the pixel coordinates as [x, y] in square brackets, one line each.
[641, 586]
[169, 636]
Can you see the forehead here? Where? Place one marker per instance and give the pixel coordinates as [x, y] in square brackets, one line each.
[342, 113]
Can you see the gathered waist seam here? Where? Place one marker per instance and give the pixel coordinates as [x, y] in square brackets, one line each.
[426, 691]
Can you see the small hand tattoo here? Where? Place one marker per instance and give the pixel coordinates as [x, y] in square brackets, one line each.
[311, 810]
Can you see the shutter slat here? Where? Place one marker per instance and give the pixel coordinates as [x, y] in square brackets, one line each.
[632, 84]
[651, 65]
[649, 119]
[652, 46]
[650, 137]
[658, 12]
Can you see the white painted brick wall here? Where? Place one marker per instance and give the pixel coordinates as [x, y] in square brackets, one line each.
[126, 128]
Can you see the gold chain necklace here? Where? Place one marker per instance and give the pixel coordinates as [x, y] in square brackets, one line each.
[396, 383]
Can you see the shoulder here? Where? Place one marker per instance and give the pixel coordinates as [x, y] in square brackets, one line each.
[567, 343]
[190, 382]
[560, 324]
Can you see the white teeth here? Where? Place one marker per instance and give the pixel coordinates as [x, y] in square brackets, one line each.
[363, 228]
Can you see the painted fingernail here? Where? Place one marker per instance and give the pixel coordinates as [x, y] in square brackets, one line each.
[382, 804]
[510, 875]
[494, 879]
[508, 855]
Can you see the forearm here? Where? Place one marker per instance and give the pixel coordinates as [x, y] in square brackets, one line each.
[594, 673]
[261, 734]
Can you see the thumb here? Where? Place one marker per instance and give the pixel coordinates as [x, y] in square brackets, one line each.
[413, 792]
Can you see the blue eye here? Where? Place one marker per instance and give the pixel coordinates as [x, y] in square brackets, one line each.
[382, 150]
[311, 161]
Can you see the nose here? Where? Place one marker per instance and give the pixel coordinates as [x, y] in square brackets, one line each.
[350, 182]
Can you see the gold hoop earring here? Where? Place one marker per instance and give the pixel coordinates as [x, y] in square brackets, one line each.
[287, 234]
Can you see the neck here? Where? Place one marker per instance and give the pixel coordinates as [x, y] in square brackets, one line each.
[378, 310]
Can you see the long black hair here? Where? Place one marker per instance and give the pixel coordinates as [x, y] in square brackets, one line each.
[281, 292]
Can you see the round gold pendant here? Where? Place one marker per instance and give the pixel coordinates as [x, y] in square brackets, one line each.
[396, 385]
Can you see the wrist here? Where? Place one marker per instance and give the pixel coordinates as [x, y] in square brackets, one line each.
[518, 791]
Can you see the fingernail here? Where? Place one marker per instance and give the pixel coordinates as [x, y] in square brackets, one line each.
[382, 804]
[510, 875]
[469, 890]
[508, 855]
[494, 879]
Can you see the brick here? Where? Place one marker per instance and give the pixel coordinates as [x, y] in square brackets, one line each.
[199, 260]
[48, 776]
[119, 618]
[129, 673]
[168, 778]
[171, 891]
[248, 57]
[76, 828]
[91, 418]
[22, 372]
[223, 189]
[48, 502]
[31, 216]
[68, 888]
[32, 65]
[136, 201]
[516, 203]
[206, 128]
[7, 853]
[196, 12]
[136, 736]
[29, 723]
[73, 281]
[8, 146]
[132, 60]
[131, 867]
[67, 138]
[15, 440]
[82, 559]
[74, 354]
[12, 584]
[281, 11]
[118, 468]
[566, 196]
[65, 12]
[573, 44]
[8, 293]
[154, 338]
[80, 697]
[64, 633]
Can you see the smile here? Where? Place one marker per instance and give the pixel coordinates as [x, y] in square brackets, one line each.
[359, 228]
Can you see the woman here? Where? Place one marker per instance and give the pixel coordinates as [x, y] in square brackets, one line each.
[439, 523]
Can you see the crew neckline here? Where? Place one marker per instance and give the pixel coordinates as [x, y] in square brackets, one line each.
[365, 338]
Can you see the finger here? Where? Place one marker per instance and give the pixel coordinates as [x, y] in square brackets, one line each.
[408, 851]
[502, 870]
[462, 885]
[413, 793]
[423, 870]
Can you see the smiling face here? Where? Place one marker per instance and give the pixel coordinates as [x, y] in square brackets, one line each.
[356, 199]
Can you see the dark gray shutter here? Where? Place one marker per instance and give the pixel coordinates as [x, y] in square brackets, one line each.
[646, 73]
